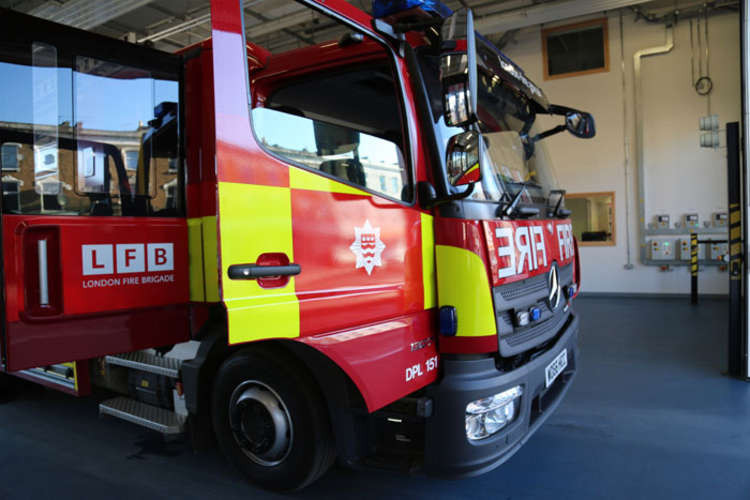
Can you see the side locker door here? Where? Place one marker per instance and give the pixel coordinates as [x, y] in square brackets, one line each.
[94, 243]
[351, 268]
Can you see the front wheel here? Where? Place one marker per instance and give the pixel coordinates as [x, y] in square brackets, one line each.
[271, 421]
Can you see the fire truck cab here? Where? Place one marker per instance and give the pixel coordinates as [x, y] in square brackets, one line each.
[355, 249]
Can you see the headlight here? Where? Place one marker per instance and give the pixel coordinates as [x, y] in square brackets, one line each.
[486, 416]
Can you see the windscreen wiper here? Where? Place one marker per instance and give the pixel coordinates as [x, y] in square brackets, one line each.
[559, 211]
[512, 209]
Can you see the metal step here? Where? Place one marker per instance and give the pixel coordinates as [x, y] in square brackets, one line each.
[139, 360]
[152, 417]
[61, 374]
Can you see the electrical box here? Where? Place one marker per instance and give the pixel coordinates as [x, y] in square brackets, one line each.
[709, 126]
[709, 123]
[692, 220]
[720, 219]
[718, 250]
[685, 250]
[662, 222]
[662, 249]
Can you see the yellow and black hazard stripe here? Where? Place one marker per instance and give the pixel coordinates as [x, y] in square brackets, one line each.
[693, 254]
[735, 241]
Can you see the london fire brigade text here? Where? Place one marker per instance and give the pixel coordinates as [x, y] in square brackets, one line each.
[130, 258]
[130, 280]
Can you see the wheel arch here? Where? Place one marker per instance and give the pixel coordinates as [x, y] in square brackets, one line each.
[342, 397]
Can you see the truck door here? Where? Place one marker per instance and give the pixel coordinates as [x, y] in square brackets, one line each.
[94, 244]
[316, 201]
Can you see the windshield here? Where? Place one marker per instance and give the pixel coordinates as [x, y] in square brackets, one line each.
[512, 161]
[507, 121]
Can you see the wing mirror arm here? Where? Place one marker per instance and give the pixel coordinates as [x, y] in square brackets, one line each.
[548, 133]
[428, 198]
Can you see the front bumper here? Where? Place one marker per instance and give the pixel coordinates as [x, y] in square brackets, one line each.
[447, 450]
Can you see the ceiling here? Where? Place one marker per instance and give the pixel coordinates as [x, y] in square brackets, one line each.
[275, 24]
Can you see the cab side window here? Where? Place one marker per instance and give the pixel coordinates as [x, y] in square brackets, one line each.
[85, 136]
[346, 124]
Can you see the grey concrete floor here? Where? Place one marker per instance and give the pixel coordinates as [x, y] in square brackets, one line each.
[650, 416]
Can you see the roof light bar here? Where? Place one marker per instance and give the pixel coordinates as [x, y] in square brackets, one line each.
[430, 8]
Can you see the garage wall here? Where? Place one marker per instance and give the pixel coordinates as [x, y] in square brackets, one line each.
[681, 177]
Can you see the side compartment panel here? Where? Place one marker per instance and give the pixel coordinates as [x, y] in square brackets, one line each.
[114, 285]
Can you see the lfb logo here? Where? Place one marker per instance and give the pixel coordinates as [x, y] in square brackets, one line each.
[127, 258]
[367, 247]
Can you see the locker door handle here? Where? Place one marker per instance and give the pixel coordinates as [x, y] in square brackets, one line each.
[41, 247]
[42, 271]
[255, 271]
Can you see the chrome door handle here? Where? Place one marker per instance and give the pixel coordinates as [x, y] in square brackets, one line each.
[254, 271]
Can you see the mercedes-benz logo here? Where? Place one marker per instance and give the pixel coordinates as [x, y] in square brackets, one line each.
[553, 280]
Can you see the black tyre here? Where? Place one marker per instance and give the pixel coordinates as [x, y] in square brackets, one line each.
[271, 421]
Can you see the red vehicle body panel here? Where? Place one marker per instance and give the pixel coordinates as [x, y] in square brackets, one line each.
[199, 130]
[379, 328]
[364, 323]
[91, 315]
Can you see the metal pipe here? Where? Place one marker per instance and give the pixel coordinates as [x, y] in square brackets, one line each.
[86, 14]
[540, 13]
[186, 25]
[705, 32]
[640, 169]
[685, 12]
[626, 146]
[178, 28]
[692, 56]
[745, 77]
[708, 72]
[700, 46]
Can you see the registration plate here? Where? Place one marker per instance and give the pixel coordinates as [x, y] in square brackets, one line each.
[556, 367]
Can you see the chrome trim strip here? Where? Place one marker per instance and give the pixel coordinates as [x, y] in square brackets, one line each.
[41, 246]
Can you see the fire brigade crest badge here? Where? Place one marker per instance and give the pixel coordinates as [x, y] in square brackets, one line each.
[367, 247]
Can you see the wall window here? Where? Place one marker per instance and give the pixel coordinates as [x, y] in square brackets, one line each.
[575, 49]
[170, 192]
[131, 160]
[52, 196]
[11, 194]
[9, 153]
[593, 216]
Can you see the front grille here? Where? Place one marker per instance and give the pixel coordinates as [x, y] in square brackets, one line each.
[519, 289]
[521, 296]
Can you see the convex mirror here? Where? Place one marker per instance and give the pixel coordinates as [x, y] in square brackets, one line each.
[580, 124]
[462, 162]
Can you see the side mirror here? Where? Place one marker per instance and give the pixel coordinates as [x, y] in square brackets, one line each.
[580, 124]
[458, 73]
[456, 100]
[462, 162]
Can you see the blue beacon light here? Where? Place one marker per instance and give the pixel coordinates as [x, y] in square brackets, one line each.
[535, 313]
[384, 8]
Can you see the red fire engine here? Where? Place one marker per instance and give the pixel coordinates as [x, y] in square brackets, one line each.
[354, 249]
